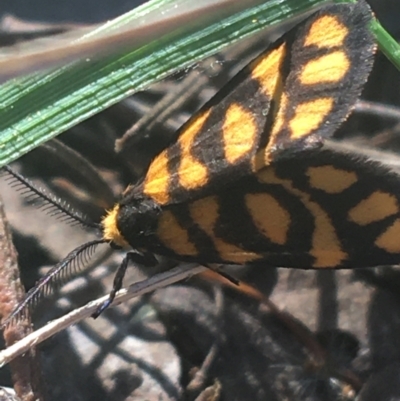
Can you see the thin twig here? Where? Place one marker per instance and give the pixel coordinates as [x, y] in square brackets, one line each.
[202, 375]
[377, 109]
[160, 280]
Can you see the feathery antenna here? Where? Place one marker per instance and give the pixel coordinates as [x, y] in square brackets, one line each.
[57, 276]
[46, 201]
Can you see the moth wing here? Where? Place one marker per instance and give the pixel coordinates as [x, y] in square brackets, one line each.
[331, 57]
[287, 99]
[321, 209]
[224, 135]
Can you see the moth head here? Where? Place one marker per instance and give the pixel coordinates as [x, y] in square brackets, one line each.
[110, 229]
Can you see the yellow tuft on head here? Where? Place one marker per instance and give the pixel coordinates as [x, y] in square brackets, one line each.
[110, 229]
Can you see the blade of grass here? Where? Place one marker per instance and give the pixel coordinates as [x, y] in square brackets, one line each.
[387, 44]
[37, 108]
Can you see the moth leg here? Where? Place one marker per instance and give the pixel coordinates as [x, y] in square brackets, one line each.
[145, 259]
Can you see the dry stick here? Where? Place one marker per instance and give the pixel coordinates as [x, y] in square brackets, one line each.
[160, 280]
[26, 372]
[377, 109]
[202, 375]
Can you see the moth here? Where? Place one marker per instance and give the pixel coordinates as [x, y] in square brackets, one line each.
[248, 179]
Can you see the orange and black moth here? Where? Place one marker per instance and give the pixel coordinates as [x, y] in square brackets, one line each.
[248, 179]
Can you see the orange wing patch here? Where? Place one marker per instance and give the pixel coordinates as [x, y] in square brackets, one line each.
[239, 133]
[320, 36]
[192, 173]
[329, 68]
[265, 70]
[330, 179]
[389, 240]
[308, 116]
[156, 184]
[271, 219]
[376, 207]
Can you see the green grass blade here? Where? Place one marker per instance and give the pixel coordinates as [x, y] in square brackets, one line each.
[37, 108]
[387, 44]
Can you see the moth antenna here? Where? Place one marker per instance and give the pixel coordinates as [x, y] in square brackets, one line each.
[49, 203]
[57, 276]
